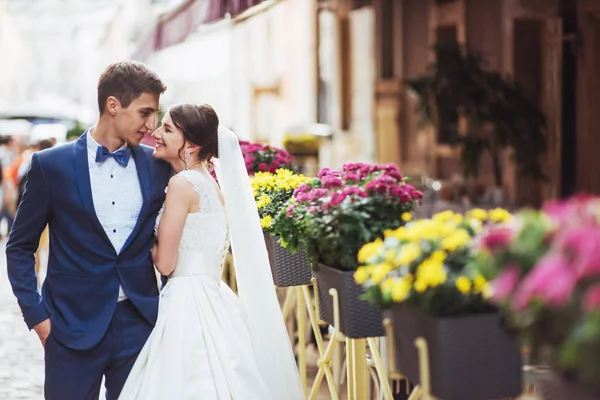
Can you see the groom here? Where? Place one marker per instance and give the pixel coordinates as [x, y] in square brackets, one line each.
[100, 196]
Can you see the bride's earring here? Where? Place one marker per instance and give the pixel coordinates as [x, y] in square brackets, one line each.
[186, 158]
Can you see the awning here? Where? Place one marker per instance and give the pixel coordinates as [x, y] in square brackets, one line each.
[217, 9]
[174, 27]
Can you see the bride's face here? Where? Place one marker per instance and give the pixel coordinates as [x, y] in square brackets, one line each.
[169, 140]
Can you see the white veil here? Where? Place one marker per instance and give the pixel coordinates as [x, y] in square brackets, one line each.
[253, 274]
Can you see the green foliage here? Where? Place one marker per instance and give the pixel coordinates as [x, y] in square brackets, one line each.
[498, 113]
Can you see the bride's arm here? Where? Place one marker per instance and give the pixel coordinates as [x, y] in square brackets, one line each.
[180, 198]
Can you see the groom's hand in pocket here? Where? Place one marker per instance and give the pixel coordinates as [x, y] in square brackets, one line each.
[43, 330]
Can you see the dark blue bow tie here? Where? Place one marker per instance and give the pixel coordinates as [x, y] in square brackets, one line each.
[120, 156]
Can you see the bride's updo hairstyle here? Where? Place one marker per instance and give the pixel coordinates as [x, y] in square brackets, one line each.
[199, 125]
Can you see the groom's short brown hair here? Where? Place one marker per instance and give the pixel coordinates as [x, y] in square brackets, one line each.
[127, 80]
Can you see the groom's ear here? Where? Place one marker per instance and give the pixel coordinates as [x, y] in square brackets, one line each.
[113, 105]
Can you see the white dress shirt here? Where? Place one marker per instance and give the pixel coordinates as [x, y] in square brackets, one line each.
[117, 197]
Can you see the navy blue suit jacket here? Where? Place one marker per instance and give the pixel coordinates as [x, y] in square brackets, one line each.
[81, 288]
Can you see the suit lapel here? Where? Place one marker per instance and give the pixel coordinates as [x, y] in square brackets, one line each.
[143, 171]
[82, 174]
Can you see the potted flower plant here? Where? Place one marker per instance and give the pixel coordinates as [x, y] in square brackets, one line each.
[421, 272]
[546, 278]
[271, 193]
[265, 158]
[332, 218]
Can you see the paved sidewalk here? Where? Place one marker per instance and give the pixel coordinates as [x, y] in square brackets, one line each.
[21, 354]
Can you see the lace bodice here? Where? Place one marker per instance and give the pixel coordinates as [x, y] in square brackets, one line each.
[205, 240]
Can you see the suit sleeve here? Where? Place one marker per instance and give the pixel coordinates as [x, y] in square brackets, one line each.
[31, 220]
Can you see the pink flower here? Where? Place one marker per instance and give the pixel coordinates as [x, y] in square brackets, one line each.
[591, 299]
[338, 198]
[505, 283]
[332, 182]
[354, 190]
[551, 280]
[416, 194]
[303, 188]
[497, 238]
[352, 177]
[581, 245]
[301, 197]
[263, 167]
[289, 211]
[564, 210]
[328, 172]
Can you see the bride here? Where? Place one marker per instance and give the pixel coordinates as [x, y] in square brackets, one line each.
[208, 343]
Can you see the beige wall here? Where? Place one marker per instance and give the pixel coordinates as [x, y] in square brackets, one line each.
[258, 73]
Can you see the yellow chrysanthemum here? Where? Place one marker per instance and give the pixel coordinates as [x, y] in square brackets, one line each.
[361, 275]
[263, 201]
[406, 216]
[407, 254]
[431, 273]
[369, 250]
[456, 240]
[266, 221]
[400, 290]
[443, 216]
[478, 213]
[387, 285]
[480, 283]
[463, 284]
[390, 255]
[499, 215]
[380, 271]
[420, 285]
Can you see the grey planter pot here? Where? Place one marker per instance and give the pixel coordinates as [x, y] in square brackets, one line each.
[358, 319]
[554, 386]
[471, 358]
[288, 269]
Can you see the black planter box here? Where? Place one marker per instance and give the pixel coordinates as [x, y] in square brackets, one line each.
[288, 269]
[470, 358]
[553, 386]
[358, 319]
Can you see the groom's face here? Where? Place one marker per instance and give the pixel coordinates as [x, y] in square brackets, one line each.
[138, 119]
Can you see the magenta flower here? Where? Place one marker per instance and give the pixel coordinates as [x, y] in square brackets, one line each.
[581, 245]
[354, 190]
[338, 198]
[289, 211]
[497, 238]
[332, 182]
[505, 283]
[591, 299]
[551, 281]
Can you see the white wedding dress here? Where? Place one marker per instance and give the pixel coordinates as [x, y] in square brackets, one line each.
[200, 347]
